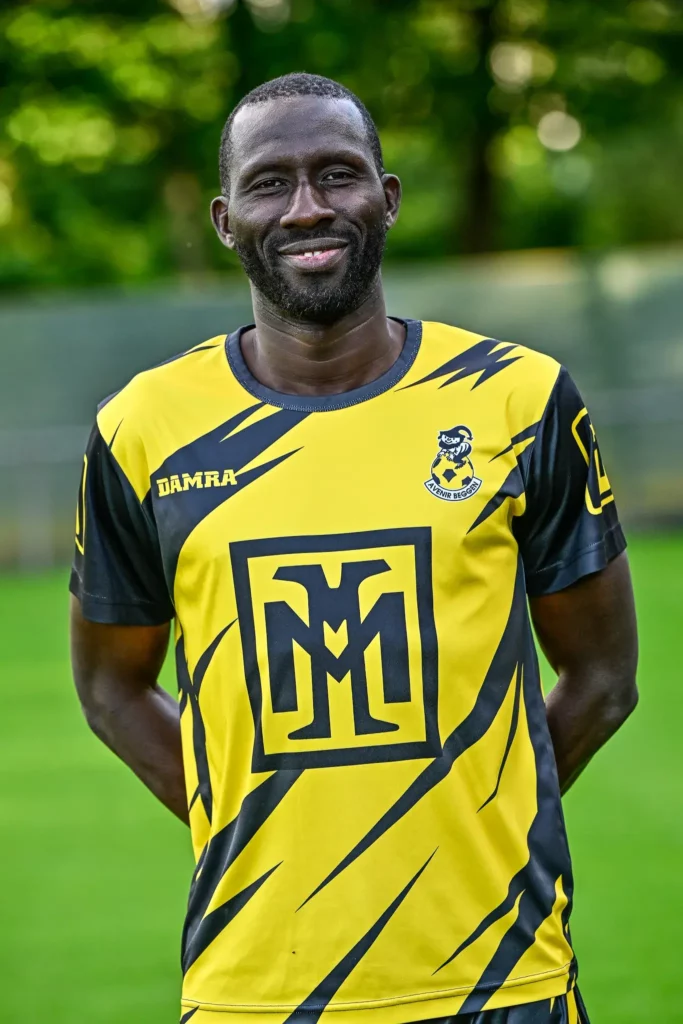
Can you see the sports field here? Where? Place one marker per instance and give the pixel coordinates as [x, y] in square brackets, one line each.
[94, 873]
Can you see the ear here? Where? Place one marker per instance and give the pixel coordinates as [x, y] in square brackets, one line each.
[392, 192]
[220, 221]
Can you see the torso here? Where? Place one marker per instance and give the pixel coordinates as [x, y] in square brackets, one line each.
[374, 798]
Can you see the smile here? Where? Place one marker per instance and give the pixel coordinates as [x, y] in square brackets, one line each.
[323, 257]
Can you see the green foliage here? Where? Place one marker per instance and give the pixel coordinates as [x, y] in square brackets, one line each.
[512, 123]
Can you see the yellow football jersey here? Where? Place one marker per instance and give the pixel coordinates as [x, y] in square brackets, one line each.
[373, 796]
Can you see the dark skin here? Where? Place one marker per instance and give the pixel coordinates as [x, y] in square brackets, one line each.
[588, 634]
[311, 169]
[116, 671]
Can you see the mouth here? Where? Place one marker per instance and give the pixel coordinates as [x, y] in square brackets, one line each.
[323, 254]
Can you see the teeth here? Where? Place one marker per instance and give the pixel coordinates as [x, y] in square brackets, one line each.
[312, 252]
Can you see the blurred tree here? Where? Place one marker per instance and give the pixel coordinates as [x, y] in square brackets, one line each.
[513, 123]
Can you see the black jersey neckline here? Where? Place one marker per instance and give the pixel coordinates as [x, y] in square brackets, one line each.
[324, 403]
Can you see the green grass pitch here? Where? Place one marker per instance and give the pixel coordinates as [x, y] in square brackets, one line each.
[95, 873]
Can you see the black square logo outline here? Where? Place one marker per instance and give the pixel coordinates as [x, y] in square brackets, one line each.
[419, 538]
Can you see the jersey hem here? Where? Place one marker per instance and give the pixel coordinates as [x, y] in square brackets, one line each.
[116, 613]
[418, 1006]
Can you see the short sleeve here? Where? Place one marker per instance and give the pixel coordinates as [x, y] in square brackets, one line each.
[117, 573]
[570, 527]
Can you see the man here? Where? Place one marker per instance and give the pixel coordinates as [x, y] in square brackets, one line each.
[344, 514]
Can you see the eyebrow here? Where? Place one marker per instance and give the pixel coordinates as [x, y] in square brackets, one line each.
[257, 165]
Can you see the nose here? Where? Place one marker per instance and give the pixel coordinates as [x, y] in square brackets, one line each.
[306, 208]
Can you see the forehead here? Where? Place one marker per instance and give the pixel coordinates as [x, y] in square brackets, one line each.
[294, 130]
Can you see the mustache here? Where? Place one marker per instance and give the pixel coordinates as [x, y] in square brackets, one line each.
[281, 238]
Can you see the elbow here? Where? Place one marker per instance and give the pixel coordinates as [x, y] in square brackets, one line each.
[95, 719]
[620, 704]
[95, 708]
[631, 701]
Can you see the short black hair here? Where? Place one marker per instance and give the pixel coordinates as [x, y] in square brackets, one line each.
[299, 83]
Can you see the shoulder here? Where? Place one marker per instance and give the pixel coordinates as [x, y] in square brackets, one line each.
[468, 354]
[500, 372]
[151, 388]
[166, 407]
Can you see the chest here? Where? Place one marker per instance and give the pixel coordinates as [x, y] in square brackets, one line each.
[362, 482]
[350, 554]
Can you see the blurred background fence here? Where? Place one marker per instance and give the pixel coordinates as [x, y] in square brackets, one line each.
[539, 143]
[616, 321]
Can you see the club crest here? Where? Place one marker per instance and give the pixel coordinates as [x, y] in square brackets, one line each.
[452, 473]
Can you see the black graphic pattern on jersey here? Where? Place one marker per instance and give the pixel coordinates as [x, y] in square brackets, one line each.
[583, 1015]
[179, 514]
[489, 701]
[528, 434]
[515, 482]
[544, 1011]
[186, 1016]
[535, 887]
[485, 358]
[312, 1007]
[214, 923]
[512, 487]
[195, 875]
[190, 687]
[113, 437]
[574, 967]
[514, 720]
[228, 843]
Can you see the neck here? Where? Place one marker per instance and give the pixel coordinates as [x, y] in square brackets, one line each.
[313, 359]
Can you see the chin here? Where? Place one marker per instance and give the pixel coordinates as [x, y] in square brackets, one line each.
[317, 313]
[318, 302]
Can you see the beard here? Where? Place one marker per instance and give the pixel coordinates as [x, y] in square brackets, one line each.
[315, 299]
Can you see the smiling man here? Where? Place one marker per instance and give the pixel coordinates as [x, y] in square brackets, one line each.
[344, 513]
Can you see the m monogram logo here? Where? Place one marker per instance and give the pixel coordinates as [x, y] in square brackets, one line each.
[339, 647]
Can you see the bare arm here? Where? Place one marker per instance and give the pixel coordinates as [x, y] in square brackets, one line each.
[588, 634]
[116, 669]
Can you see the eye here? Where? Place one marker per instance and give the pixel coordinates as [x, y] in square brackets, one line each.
[340, 176]
[268, 184]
